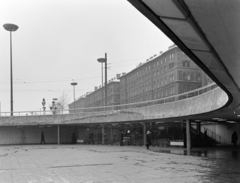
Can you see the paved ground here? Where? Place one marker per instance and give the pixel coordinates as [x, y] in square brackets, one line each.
[115, 164]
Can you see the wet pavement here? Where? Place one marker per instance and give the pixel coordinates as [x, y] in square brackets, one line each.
[130, 164]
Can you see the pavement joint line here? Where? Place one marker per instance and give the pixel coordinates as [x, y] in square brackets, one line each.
[65, 166]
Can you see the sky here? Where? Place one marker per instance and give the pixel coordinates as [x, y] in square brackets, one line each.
[59, 42]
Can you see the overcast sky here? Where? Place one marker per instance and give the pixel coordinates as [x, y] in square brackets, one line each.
[59, 41]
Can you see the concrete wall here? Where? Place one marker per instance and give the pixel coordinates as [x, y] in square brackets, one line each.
[32, 134]
[224, 130]
[27, 135]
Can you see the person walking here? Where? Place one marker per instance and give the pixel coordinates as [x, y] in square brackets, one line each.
[42, 138]
[234, 138]
[74, 138]
[148, 139]
[121, 138]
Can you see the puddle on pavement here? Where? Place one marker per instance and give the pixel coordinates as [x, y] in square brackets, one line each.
[219, 154]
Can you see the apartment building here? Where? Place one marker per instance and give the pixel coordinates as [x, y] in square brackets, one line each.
[97, 97]
[163, 75]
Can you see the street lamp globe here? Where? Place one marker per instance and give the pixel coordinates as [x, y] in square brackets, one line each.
[101, 60]
[10, 27]
[74, 84]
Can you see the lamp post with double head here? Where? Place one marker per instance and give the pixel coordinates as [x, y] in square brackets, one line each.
[11, 28]
[54, 106]
[74, 84]
[104, 60]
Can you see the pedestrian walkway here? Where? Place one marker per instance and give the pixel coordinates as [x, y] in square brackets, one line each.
[113, 164]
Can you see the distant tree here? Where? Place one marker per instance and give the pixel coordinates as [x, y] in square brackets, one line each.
[62, 102]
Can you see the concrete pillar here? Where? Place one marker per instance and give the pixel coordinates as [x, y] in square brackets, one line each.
[188, 133]
[103, 135]
[111, 135]
[199, 128]
[58, 135]
[144, 133]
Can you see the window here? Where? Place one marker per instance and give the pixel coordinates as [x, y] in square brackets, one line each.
[165, 68]
[188, 77]
[180, 75]
[186, 64]
[171, 65]
[198, 77]
[184, 76]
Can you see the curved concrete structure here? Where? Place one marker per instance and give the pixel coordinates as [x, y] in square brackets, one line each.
[206, 102]
[208, 32]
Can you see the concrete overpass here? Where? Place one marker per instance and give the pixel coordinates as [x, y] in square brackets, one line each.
[182, 106]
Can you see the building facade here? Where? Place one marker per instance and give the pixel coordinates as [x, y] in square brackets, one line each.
[97, 97]
[170, 73]
[79, 103]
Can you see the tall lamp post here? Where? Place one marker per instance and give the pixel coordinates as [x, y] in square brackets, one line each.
[104, 60]
[102, 103]
[74, 84]
[11, 28]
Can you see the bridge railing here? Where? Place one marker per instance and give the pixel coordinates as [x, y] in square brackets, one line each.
[114, 108]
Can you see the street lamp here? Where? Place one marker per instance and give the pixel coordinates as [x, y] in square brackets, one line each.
[54, 107]
[104, 60]
[43, 104]
[100, 61]
[11, 28]
[74, 84]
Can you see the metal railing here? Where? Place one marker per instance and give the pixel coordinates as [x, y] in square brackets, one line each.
[212, 134]
[117, 108]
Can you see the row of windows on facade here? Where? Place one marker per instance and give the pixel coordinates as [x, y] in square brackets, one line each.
[156, 73]
[99, 101]
[161, 93]
[183, 76]
[99, 94]
[148, 67]
[159, 63]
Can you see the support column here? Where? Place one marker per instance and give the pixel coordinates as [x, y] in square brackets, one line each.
[199, 128]
[103, 135]
[58, 135]
[188, 133]
[111, 135]
[144, 133]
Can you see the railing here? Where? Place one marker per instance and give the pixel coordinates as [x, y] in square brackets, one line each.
[117, 108]
[212, 134]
